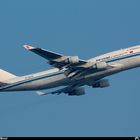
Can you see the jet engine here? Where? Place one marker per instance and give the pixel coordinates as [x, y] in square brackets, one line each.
[72, 60]
[101, 84]
[100, 65]
[77, 92]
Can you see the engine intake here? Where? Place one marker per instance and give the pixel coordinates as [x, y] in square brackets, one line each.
[101, 84]
[101, 65]
[72, 60]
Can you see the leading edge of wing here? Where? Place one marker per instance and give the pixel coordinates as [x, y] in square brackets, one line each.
[59, 91]
[65, 90]
[49, 55]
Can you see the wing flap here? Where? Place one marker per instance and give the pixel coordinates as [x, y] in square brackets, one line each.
[70, 90]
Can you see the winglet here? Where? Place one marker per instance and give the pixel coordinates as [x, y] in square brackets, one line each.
[28, 47]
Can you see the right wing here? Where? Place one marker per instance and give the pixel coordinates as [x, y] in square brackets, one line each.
[73, 66]
[49, 55]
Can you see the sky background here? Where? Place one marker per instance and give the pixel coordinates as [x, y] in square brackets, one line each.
[86, 28]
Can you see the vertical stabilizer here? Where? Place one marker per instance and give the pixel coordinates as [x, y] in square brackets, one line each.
[4, 76]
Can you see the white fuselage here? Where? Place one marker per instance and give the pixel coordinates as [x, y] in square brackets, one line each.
[123, 59]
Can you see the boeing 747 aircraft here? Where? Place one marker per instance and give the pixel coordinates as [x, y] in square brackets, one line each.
[71, 73]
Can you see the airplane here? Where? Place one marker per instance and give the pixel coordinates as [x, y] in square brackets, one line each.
[70, 72]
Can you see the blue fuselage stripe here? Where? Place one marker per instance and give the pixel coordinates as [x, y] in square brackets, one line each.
[30, 80]
[122, 57]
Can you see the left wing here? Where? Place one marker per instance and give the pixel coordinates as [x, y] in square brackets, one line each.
[57, 60]
[70, 90]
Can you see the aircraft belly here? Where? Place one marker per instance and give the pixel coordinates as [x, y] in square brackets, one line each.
[102, 74]
[50, 82]
[45, 83]
[131, 62]
[122, 65]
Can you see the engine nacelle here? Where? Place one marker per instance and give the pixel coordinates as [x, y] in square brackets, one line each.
[101, 84]
[101, 65]
[77, 92]
[72, 60]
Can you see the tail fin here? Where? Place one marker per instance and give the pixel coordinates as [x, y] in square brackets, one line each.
[4, 76]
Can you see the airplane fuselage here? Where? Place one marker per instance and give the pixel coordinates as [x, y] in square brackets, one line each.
[123, 59]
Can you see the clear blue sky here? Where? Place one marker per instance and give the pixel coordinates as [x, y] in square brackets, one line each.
[73, 27]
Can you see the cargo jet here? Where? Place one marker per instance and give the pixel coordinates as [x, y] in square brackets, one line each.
[71, 74]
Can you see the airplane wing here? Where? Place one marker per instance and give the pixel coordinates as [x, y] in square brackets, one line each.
[73, 66]
[57, 60]
[49, 55]
[70, 90]
[59, 91]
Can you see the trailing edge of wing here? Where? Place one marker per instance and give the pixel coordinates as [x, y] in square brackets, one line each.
[59, 91]
[65, 90]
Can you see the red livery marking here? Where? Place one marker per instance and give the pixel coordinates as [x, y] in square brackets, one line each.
[131, 52]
